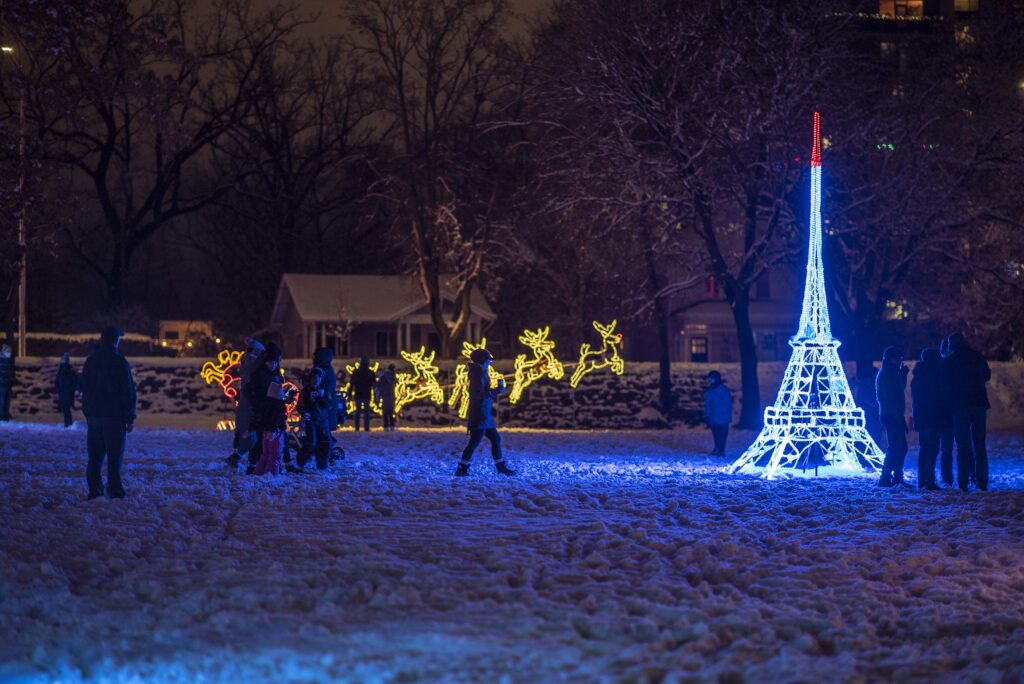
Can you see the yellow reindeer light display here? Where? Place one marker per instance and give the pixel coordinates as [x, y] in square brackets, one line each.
[460, 390]
[543, 363]
[607, 355]
[421, 383]
[220, 372]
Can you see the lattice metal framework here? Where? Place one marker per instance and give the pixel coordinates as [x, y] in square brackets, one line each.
[814, 428]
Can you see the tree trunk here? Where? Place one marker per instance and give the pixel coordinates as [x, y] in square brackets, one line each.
[750, 407]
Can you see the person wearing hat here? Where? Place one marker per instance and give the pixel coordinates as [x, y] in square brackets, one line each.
[890, 389]
[315, 402]
[480, 421]
[269, 419]
[244, 443]
[67, 385]
[717, 410]
[108, 402]
[6, 381]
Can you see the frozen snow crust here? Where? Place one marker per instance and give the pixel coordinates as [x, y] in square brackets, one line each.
[611, 557]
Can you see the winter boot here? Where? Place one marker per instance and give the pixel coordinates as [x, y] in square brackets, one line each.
[233, 460]
[462, 470]
[503, 469]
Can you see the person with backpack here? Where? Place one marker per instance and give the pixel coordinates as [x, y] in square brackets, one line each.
[480, 421]
[361, 390]
[965, 374]
[717, 410]
[244, 443]
[930, 413]
[66, 386]
[890, 390]
[387, 383]
[266, 392]
[108, 402]
[315, 403]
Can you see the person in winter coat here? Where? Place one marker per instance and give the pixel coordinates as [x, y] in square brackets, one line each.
[930, 412]
[266, 392]
[108, 402]
[66, 385]
[244, 443]
[6, 381]
[315, 403]
[480, 421]
[386, 385]
[323, 358]
[890, 390]
[965, 373]
[361, 390]
[717, 410]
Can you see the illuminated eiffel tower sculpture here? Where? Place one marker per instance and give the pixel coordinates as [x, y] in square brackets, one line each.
[814, 428]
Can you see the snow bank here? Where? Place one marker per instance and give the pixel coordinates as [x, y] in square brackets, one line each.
[613, 556]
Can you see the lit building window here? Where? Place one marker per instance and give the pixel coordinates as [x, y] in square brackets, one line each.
[699, 349]
[965, 5]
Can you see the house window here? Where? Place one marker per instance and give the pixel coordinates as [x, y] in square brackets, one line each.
[387, 343]
[909, 8]
[699, 349]
[299, 351]
[965, 5]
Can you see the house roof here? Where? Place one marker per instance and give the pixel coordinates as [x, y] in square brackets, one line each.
[361, 298]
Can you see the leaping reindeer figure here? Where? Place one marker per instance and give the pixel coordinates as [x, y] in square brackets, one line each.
[224, 372]
[542, 364]
[607, 355]
[421, 383]
[460, 389]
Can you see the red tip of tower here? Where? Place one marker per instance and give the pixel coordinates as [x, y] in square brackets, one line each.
[816, 147]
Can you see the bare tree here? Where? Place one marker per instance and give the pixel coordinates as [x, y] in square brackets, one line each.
[438, 70]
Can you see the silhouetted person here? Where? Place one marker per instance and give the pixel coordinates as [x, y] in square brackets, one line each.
[323, 358]
[946, 440]
[480, 421]
[717, 410]
[266, 392]
[315, 403]
[386, 385]
[108, 402]
[890, 390]
[965, 373]
[931, 414]
[361, 386]
[6, 381]
[66, 386]
[245, 443]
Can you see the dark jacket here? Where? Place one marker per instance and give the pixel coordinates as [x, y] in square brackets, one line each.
[718, 405]
[322, 359]
[386, 384]
[318, 408]
[930, 403]
[481, 399]
[251, 362]
[67, 383]
[108, 389]
[965, 373]
[890, 390]
[362, 382]
[268, 413]
[6, 372]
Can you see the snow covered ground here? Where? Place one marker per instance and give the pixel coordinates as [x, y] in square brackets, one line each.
[613, 556]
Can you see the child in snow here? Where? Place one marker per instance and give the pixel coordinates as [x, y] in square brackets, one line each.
[387, 381]
[717, 410]
[67, 385]
[480, 421]
[266, 392]
[317, 413]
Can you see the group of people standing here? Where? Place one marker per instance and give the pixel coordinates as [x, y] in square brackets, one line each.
[949, 407]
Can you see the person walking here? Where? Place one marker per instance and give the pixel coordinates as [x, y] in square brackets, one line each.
[890, 390]
[965, 373]
[245, 443]
[66, 385]
[386, 385]
[361, 387]
[946, 440]
[323, 358]
[315, 403]
[480, 421]
[930, 414]
[266, 392]
[108, 402]
[717, 410]
[6, 381]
